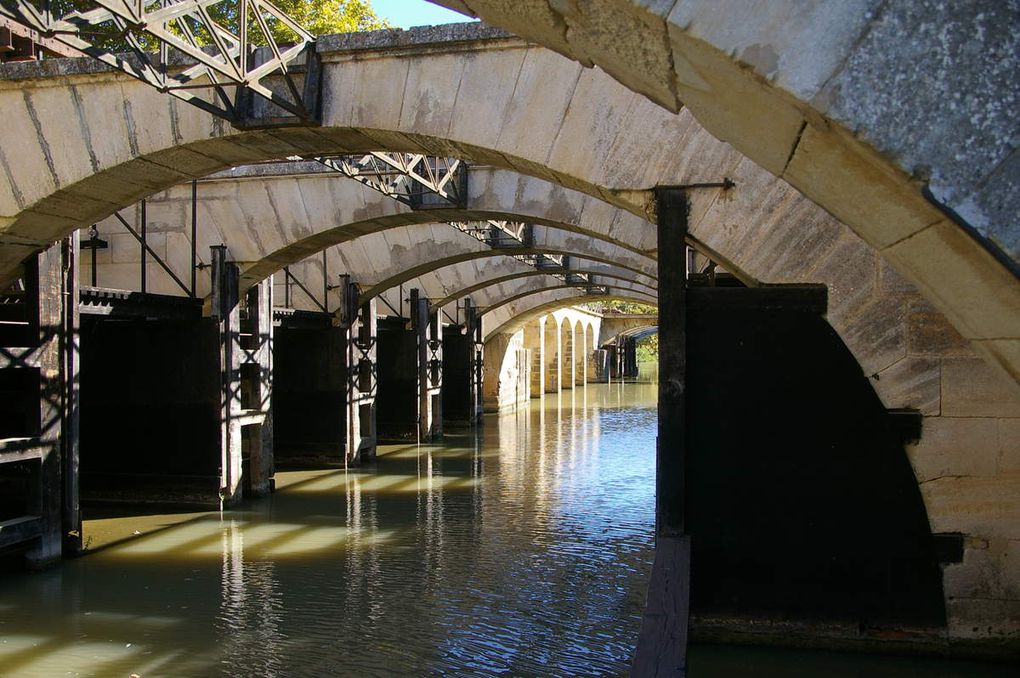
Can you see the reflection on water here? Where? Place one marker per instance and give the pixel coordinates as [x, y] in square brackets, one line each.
[522, 551]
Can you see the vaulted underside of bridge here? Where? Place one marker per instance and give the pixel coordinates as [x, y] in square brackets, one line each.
[929, 312]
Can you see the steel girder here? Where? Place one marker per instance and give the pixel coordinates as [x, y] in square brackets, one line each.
[182, 65]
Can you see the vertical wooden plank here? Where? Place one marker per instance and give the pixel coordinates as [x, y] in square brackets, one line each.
[434, 372]
[361, 413]
[662, 643]
[44, 284]
[673, 209]
[420, 324]
[260, 438]
[224, 308]
[143, 264]
[70, 350]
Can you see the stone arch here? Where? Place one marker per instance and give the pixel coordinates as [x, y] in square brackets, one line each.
[43, 204]
[269, 222]
[536, 307]
[835, 124]
[599, 273]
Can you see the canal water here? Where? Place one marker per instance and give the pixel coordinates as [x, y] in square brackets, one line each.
[523, 550]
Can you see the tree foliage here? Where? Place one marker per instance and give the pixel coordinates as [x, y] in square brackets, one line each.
[648, 349]
[318, 17]
[322, 17]
[616, 307]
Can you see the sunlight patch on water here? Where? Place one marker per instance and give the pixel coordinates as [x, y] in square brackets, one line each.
[213, 538]
[367, 482]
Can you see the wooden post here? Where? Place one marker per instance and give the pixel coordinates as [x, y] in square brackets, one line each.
[44, 305]
[434, 372]
[419, 309]
[361, 379]
[70, 351]
[673, 209]
[662, 643]
[224, 308]
[259, 434]
[473, 324]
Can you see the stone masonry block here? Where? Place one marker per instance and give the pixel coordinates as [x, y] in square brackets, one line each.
[971, 388]
[954, 446]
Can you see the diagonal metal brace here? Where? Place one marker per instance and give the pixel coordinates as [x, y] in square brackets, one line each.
[195, 51]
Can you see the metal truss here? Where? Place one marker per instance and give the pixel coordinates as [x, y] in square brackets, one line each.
[198, 45]
[509, 235]
[418, 181]
[430, 182]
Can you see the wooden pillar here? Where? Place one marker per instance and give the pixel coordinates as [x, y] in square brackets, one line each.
[662, 643]
[360, 322]
[40, 352]
[224, 308]
[425, 323]
[434, 372]
[257, 388]
[70, 350]
[473, 324]
[44, 306]
[673, 208]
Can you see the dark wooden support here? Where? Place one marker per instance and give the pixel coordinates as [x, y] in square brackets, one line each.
[425, 323]
[70, 349]
[461, 375]
[19, 530]
[142, 263]
[225, 310]
[360, 322]
[473, 321]
[662, 645]
[673, 208]
[44, 282]
[434, 373]
[257, 388]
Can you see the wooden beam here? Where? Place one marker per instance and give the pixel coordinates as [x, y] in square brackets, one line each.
[19, 530]
[673, 209]
[662, 643]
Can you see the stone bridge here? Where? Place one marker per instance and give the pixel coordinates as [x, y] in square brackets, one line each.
[892, 203]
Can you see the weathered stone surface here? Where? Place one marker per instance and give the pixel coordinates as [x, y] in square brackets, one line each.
[911, 382]
[628, 40]
[955, 446]
[976, 506]
[982, 298]
[1009, 445]
[735, 104]
[861, 190]
[971, 389]
[851, 274]
[942, 102]
[876, 333]
[928, 333]
[779, 39]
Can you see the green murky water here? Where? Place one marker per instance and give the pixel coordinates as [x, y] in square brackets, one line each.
[522, 551]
